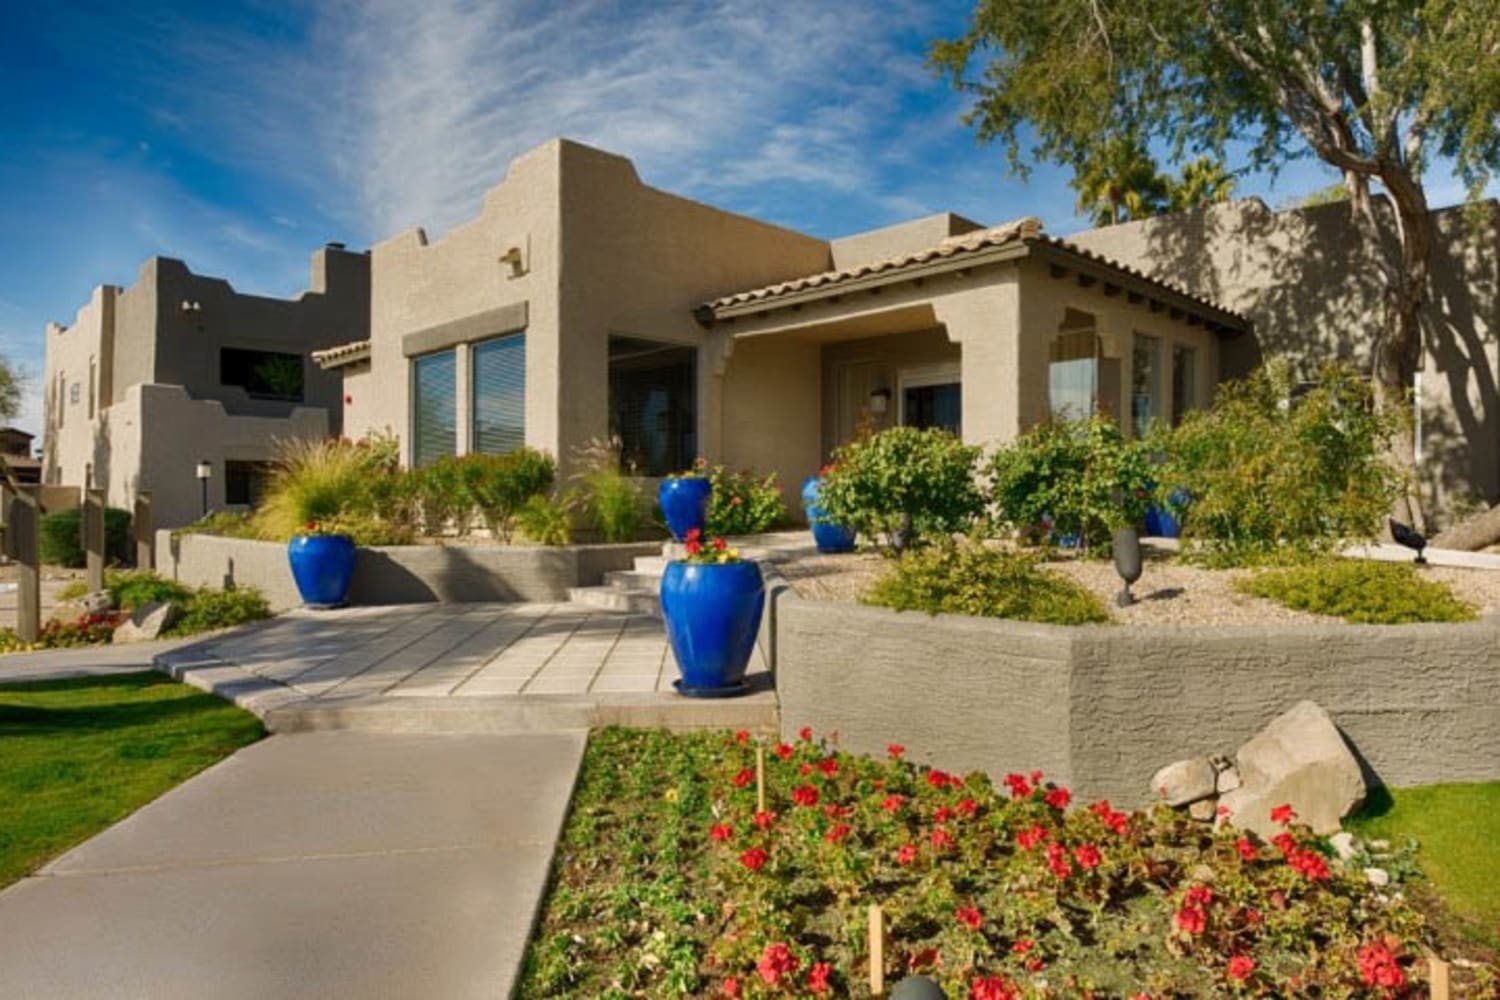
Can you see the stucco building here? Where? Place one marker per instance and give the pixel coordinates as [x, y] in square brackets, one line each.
[179, 368]
[582, 303]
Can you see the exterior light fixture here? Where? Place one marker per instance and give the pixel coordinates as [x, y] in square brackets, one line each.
[880, 401]
[204, 472]
[512, 256]
[189, 306]
[1127, 546]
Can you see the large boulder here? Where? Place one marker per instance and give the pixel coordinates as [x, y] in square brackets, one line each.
[1300, 760]
[147, 622]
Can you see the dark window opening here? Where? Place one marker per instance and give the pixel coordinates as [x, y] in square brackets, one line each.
[246, 482]
[434, 389]
[262, 374]
[653, 404]
[933, 406]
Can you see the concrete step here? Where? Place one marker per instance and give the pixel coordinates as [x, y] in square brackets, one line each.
[634, 602]
[653, 565]
[633, 580]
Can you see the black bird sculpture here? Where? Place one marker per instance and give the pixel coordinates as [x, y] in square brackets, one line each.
[1406, 535]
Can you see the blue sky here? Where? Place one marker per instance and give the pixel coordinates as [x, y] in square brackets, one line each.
[242, 134]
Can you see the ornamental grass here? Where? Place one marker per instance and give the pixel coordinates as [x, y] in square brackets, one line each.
[673, 881]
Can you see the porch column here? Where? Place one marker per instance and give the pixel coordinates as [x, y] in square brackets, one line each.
[985, 321]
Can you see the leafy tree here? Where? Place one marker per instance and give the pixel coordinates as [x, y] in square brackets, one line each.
[1371, 87]
[12, 382]
[1120, 181]
[1203, 181]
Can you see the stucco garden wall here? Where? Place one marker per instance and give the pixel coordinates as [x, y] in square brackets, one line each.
[1101, 708]
[402, 574]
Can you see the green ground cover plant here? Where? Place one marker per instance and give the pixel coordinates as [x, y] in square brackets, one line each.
[904, 485]
[1457, 831]
[669, 882]
[1359, 591]
[971, 579]
[83, 754]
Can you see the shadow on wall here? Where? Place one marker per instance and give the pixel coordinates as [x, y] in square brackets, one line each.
[448, 574]
[1309, 282]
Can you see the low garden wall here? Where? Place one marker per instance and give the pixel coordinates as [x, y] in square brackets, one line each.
[1101, 708]
[402, 574]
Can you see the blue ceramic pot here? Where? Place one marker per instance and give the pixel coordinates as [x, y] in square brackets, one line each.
[829, 537]
[322, 565]
[684, 503]
[712, 614]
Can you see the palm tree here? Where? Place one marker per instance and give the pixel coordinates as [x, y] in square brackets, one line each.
[1204, 181]
[1121, 182]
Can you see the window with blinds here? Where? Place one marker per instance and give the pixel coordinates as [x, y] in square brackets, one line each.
[499, 394]
[434, 407]
[653, 404]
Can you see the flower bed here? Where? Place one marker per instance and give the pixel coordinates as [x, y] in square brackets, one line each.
[671, 882]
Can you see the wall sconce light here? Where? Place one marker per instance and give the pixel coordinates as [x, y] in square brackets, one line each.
[880, 401]
[513, 258]
[189, 306]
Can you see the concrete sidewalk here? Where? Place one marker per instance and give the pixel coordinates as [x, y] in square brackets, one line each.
[320, 865]
[85, 661]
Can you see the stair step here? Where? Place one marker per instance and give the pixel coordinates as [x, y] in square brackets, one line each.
[655, 565]
[624, 579]
[634, 602]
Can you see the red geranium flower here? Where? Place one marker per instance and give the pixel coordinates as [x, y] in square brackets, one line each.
[754, 859]
[1087, 856]
[1240, 967]
[806, 734]
[837, 833]
[744, 778]
[992, 988]
[731, 987]
[1018, 785]
[938, 779]
[893, 803]
[1115, 820]
[818, 978]
[1378, 966]
[784, 751]
[1022, 946]
[1057, 860]
[1031, 838]
[1310, 864]
[742, 736]
[805, 795]
[1199, 895]
[1246, 849]
[720, 831]
[970, 917]
[804, 769]
[777, 961]
[1283, 814]
[693, 546]
[829, 766]
[895, 750]
[942, 815]
[907, 854]
[1285, 843]
[1058, 798]
[764, 820]
[941, 840]
[1192, 919]
[968, 808]
[720, 545]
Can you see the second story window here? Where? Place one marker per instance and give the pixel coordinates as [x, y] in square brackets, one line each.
[262, 374]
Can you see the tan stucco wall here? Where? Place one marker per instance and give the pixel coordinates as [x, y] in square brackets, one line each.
[771, 411]
[902, 238]
[1307, 280]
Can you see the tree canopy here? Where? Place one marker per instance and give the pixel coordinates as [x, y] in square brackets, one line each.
[12, 381]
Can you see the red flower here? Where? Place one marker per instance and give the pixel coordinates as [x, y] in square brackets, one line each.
[1246, 849]
[1057, 860]
[754, 859]
[731, 987]
[837, 833]
[742, 736]
[942, 815]
[941, 840]
[764, 820]
[1018, 785]
[1087, 856]
[777, 961]
[829, 766]
[927, 958]
[1285, 843]
[1115, 820]
[970, 917]
[805, 795]
[1199, 895]
[818, 978]
[693, 546]
[1283, 815]
[1378, 967]
[1240, 967]
[784, 751]
[895, 750]
[744, 778]
[907, 854]
[720, 545]
[804, 769]
[835, 811]
[991, 988]
[693, 535]
[1192, 919]
[1022, 946]
[968, 808]
[939, 779]
[1310, 864]
[1031, 838]
[720, 831]
[1058, 798]
[805, 734]
[1252, 916]
[893, 803]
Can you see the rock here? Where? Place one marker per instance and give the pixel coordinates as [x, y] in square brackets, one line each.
[147, 622]
[1343, 844]
[1378, 877]
[1203, 809]
[96, 602]
[1228, 780]
[1299, 759]
[1184, 782]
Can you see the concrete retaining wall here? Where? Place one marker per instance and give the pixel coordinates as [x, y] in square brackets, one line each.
[1101, 708]
[402, 574]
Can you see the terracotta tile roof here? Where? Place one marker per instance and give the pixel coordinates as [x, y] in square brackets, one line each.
[343, 354]
[1026, 232]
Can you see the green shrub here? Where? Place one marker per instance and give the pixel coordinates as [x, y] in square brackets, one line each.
[224, 524]
[334, 483]
[207, 609]
[612, 504]
[131, 590]
[498, 486]
[62, 543]
[546, 520]
[904, 484]
[1081, 474]
[970, 579]
[743, 503]
[1265, 473]
[1359, 591]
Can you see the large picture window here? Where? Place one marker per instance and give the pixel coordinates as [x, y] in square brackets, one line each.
[653, 404]
[1073, 375]
[499, 400]
[434, 405]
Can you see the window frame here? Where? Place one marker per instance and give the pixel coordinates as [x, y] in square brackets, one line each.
[414, 363]
[475, 348]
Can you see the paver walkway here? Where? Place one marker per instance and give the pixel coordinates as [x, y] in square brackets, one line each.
[324, 865]
[459, 667]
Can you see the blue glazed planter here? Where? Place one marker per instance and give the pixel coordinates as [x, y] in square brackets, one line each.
[712, 614]
[828, 536]
[684, 503]
[323, 566]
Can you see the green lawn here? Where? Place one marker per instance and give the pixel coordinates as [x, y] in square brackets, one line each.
[78, 755]
[1457, 828]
